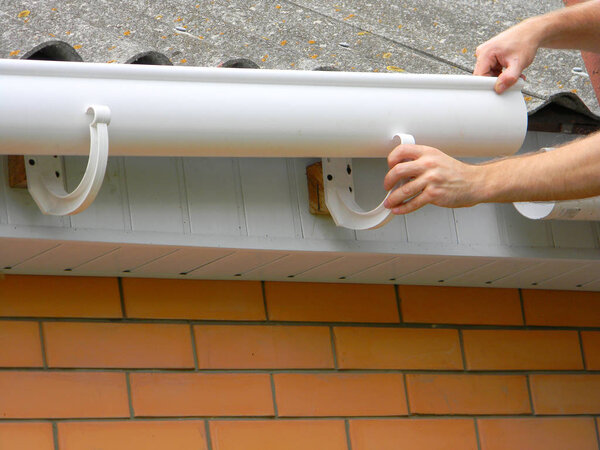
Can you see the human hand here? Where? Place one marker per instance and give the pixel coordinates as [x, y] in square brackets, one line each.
[430, 176]
[507, 55]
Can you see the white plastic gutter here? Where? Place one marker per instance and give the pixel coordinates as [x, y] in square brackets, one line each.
[56, 108]
[583, 209]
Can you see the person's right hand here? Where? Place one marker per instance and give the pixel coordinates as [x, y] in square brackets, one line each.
[506, 55]
[431, 177]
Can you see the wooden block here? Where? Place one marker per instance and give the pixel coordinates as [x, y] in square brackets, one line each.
[17, 177]
[316, 191]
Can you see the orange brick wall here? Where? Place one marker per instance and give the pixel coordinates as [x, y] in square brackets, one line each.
[131, 364]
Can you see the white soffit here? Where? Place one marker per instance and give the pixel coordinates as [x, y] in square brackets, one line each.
[40, 257]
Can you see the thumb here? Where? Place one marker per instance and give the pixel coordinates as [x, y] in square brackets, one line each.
[508, 77]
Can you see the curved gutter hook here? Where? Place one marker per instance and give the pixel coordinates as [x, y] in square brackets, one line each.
[44, 173]
[339, 195]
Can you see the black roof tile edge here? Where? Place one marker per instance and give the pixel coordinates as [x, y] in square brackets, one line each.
[54, 50]
[563, 112]
[150, 58]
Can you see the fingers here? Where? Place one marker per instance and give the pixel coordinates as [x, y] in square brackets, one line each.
[404, 152]
[413, 204]
[405, 192]
[399, 172]
[486, 63]
[508, 78]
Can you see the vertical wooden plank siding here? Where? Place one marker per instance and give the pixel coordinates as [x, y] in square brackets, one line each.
[267, 202]
[154, 196]
[105, 212]
[212, 196]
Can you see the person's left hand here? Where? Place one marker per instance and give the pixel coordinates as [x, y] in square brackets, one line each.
[429, 176]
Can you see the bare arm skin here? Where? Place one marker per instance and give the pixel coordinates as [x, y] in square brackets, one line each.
[575, 27]
[569, 172]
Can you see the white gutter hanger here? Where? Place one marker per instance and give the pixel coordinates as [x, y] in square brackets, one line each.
[191, 111]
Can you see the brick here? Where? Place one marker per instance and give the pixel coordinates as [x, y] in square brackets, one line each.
[137, 435]
[335, 394]
[538, 434]
[263, 347]
[413, 434]
[46, 296]
[331, 302]
[118, 345]
[30, 395]
[565, 394]
[562, 308]
[467, 394]
[26, 436]
[278, 435]
[20, 344]
[387, 348]
[193, 299]
[591, 349]
[182, 394]
[522, 350]
[461, 305]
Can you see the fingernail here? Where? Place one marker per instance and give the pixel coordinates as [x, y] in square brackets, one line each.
[499, 88]
[386, 204]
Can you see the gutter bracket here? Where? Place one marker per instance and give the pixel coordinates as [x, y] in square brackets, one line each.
[339, 194]
[45, 179]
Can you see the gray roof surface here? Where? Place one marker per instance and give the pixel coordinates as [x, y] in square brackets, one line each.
[433, 36]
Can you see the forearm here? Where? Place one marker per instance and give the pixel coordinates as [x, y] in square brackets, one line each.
[575, 27]
[569, 172]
